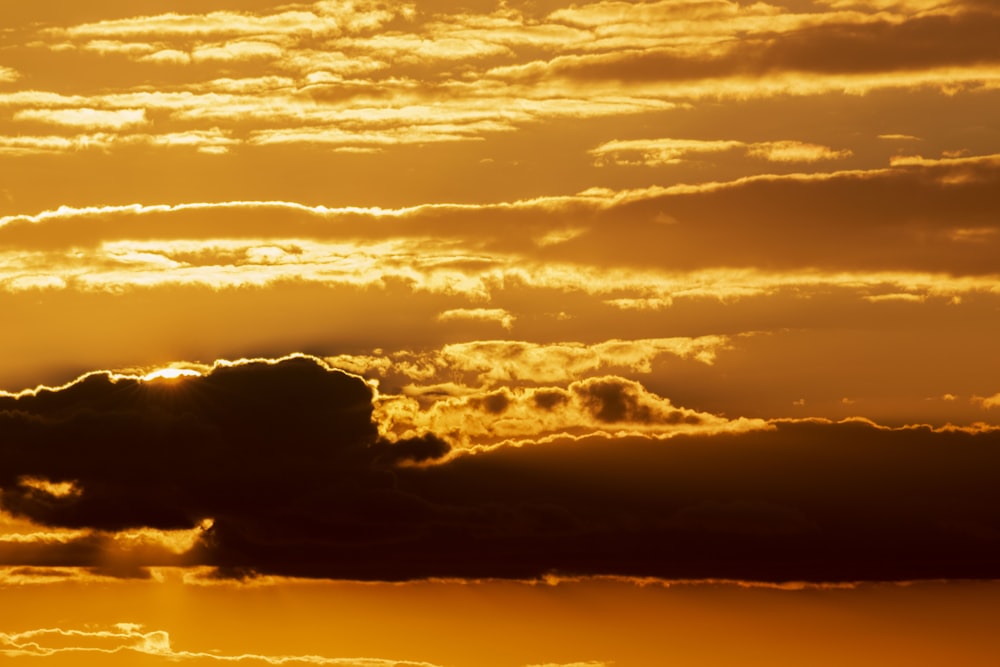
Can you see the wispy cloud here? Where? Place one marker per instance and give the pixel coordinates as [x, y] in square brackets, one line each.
[499, 315]
[135, 639]
[390, 72]
[86, 118]
[654, 152]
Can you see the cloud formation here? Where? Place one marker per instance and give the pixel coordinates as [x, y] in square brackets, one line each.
[635, 248]
[280, 469]
[370, 76]
[134, 639]
[615, 284]
[658, 152]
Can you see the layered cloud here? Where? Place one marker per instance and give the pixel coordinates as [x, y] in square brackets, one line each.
[369, 76]
[804, 228]
[277, 468]
[677, 289]
[603, 282]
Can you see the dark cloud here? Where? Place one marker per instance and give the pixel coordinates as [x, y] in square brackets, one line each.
[255, 439]
[494, 403]
[286, 461]
[548, 399]
[614, 400]
[907, 218]
[420, 449]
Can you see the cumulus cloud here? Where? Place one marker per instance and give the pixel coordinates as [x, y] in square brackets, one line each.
[278, 468]
[260, 421]
[523, 415]
[614, 291]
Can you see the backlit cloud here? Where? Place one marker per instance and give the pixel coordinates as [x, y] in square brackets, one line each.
[392, 68]
[770, 500]
[654, 152]
[499, 315]
[132, 638]
[88, 118]
[678, 289]
[523, 415]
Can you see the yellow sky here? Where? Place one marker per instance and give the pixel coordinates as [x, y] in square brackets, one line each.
[357, 290]
[438, 624]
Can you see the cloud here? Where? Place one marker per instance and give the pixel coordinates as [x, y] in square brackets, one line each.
[499, 315]
[502, 361]
[278, 469]
[88, 118]
[655, 152]
[325, 19]
[235, 51]
[658, 152]
[266, 420]
[477, 419]
[366, 76]
[134, 639]
[899, 137]
[824, 44]
[644, 248]
[989, 401]
[795, 151]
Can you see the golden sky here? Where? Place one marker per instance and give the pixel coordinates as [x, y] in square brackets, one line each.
[576, 320]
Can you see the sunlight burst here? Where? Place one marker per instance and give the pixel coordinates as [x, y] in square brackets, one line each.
[170, 374]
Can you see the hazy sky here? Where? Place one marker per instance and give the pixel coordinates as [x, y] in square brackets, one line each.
[529, 308]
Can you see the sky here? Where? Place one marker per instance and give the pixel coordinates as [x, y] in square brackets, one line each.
[499, 334]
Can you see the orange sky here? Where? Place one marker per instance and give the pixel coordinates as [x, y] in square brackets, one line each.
[351, 290]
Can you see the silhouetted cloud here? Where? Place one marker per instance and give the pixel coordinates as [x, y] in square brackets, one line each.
[284, 460]
[257, 437]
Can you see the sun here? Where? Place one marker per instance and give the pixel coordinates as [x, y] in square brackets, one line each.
[170, 374]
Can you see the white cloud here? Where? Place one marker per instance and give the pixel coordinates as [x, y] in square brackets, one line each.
[84, 117]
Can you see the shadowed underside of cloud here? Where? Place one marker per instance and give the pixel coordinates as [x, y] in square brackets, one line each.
[936, 215]
[821, 49]
[285, 459]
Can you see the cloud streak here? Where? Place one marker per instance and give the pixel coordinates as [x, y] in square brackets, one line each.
[366, 76]
[131, 638]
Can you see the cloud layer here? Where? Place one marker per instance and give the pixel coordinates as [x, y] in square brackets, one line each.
[280, 467]
[676, 289]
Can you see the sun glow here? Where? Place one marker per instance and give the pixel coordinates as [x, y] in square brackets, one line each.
[533, 333]
[170, 374]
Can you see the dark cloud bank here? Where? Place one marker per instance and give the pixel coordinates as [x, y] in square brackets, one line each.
[287, 461]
